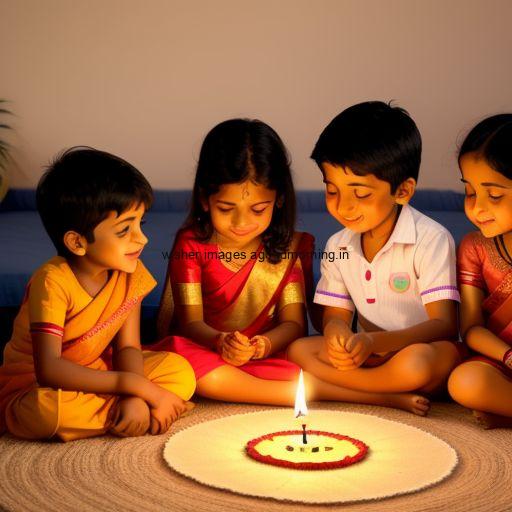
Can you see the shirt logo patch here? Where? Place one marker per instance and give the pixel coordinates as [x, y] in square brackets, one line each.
[399, 282]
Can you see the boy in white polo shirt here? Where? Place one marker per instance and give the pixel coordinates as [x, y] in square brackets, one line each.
[400, 274]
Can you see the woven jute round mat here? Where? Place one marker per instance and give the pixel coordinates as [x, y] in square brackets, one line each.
[131, 475]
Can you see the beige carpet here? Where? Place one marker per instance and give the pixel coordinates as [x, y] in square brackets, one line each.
[131, 474]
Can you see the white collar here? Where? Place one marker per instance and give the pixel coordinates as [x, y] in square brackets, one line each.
[405, 228]
[404, 231]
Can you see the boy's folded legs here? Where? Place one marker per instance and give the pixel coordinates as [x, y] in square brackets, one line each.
[43, 412]
[418, 367]
[170, 371]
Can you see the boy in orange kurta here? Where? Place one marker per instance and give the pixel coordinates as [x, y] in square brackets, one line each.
[74, 367]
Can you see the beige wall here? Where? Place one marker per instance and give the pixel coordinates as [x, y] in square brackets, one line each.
[148, 79]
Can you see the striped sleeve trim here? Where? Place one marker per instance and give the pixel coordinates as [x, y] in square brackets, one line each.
[335, 295]
[336, 300]
[448, 292]
[439, 289]
[47, 328]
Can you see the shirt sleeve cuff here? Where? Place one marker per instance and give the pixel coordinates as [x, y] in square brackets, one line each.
[446, 292]
[336, 300]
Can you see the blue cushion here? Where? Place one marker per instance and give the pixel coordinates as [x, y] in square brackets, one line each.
[25, 245]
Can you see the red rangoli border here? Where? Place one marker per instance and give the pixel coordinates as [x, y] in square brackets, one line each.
[268, 459]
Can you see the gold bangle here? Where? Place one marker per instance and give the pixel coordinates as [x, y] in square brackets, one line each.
[263, 347]
[218, 342]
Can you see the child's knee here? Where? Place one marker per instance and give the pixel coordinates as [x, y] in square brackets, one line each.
[299, 351]
[35, 415]
[457, 384]
[176, 374]
[417, 363]
[294, 350]
[213, 384]
[467, 384]
[188, 379]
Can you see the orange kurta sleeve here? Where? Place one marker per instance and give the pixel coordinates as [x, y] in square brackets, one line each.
[48, 303]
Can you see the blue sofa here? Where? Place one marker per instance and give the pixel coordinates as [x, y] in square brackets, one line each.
[25, 245]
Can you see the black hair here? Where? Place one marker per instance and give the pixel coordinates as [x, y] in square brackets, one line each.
[491, 139]
[372, 138]
[233, 152]
[81, 187]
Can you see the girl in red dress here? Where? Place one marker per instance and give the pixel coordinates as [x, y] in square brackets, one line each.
[484, 382]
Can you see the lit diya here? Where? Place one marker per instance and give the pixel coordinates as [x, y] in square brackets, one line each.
[306, 449]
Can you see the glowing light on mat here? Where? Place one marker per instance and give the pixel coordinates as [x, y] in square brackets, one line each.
[301, 409]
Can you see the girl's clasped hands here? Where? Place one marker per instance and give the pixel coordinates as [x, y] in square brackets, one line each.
[237, 349]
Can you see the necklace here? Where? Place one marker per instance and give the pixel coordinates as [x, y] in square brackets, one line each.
[502, 249]
[230, 262]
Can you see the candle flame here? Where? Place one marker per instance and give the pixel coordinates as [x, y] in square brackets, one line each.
[301, 409]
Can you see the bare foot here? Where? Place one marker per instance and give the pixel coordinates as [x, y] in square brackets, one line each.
[411, 402]
[488, 420]
[189, 406]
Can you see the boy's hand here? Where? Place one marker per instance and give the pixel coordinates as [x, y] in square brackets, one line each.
[235, 348]
[336, 335]
[170, 407]
[336, 354]
[359, 348]
[131, 417]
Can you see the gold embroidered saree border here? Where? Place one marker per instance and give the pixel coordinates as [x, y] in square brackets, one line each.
[189, 294]
[257, 292]
[292, 294]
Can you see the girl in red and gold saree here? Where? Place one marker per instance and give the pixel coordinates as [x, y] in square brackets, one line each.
[239, 277]
[484, 382]
[74, 366]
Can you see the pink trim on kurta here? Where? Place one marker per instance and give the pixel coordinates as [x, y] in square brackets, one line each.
[47, 328]
[126, 306]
